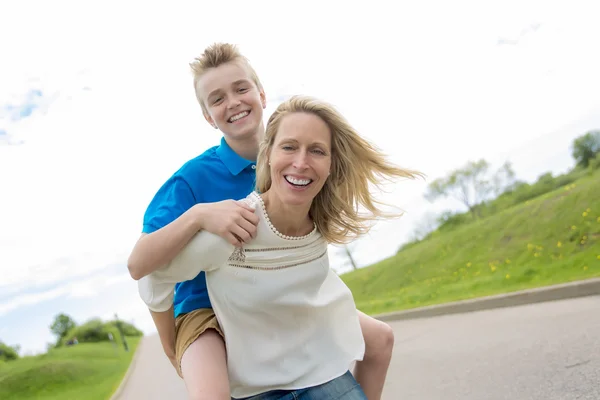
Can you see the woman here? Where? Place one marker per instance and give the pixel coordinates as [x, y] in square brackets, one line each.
[289, 322]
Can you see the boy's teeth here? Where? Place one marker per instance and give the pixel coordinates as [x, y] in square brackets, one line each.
[294, 181]
[238, 116]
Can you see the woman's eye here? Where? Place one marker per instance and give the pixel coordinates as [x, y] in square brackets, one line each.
[242, 90]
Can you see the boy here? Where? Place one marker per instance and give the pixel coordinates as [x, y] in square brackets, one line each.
[232, 100]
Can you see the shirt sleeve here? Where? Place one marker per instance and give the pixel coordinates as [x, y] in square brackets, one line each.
[204, 252]
[173, 199]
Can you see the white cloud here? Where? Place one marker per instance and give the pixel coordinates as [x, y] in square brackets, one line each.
[88, 287]
[31, 299]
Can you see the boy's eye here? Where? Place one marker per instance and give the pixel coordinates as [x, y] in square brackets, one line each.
[242, 90]
[217, 100]
[287, 147]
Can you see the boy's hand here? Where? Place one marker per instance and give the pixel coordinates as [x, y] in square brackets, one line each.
[234, 221]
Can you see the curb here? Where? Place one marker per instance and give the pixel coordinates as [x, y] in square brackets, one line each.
[583, 288]
[130, 369]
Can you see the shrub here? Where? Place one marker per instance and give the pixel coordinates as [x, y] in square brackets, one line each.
[95, 330]
[8, 353]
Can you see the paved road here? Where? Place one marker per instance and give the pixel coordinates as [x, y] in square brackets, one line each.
[546, 351]
[153, 377]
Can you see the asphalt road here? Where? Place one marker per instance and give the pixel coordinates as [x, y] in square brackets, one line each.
[545, 351]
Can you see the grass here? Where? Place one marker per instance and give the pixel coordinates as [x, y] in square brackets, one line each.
[91, 371]
[554, 238]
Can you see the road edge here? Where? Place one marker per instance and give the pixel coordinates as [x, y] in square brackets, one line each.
[581, 288]
[117, 393]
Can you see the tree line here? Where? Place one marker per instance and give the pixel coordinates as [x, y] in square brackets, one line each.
[483, 191]
[68, 332]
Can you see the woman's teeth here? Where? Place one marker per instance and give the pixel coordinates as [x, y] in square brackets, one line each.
[298, 182]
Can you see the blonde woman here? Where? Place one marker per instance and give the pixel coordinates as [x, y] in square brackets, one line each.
[289, 322]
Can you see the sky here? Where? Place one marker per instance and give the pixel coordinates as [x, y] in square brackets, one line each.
[97, 110]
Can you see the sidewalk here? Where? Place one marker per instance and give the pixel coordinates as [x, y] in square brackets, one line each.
[588, 287]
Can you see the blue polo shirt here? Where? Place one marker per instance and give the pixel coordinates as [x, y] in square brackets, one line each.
[217, 174]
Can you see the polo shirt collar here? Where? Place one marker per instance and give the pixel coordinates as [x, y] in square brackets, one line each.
[234, 162]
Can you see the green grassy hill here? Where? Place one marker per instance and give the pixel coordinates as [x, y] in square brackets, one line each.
[90, 371]
[553, 238]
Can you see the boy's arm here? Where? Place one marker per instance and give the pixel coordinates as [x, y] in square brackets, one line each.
[165, 325]
[232, 220]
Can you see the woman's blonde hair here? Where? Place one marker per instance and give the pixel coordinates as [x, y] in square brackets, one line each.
[355, 163]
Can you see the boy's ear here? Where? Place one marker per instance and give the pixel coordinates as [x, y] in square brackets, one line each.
[263, 99]
[209, 119]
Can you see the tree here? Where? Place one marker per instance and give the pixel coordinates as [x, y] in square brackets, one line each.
[503, 179]
[472, 184]
[346, 250]
[427, 224]
[9, 353]
[61, 326]
[586, 147]
[350, 258]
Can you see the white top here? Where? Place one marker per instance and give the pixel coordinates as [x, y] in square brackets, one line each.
[289, 321]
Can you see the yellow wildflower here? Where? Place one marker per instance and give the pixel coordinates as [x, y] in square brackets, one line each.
[584, 214]
[573, 227]
[507, 276]
[559, 244]
[468, 264]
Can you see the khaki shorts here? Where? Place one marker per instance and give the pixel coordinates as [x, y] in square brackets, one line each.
[189, 327]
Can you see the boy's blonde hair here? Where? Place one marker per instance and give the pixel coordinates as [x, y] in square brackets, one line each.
[355, 163]
[214, 56]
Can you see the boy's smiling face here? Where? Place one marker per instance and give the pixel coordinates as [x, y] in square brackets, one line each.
[234, 102]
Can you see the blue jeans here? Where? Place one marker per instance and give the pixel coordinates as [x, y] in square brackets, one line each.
[345, 387]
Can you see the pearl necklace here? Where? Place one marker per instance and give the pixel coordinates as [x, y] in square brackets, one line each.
[281, 235]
